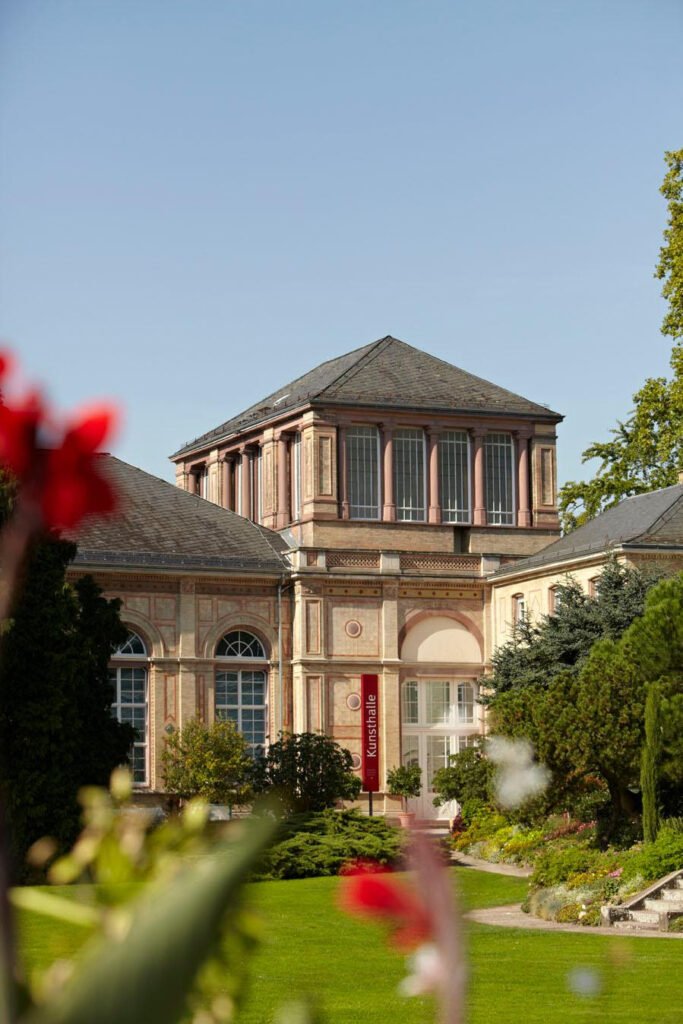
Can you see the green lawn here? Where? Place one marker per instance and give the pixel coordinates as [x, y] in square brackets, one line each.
[345, 965]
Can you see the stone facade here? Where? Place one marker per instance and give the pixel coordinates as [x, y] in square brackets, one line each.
[261, 537]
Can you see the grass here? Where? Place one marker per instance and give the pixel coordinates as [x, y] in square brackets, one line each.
[346, 967]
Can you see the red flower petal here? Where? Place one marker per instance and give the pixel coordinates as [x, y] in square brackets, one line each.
[72, 492]
[382, 897]
[93, 427]
[18, 430]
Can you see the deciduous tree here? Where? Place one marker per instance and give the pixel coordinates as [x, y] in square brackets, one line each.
[646, 451]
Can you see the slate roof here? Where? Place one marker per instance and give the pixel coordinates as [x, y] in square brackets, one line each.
[649, 519]
[389, 374]
[160, 525]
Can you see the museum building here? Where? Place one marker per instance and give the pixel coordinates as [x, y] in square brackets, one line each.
[356, 521]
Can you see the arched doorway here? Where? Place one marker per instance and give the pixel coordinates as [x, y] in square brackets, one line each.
[440, 716]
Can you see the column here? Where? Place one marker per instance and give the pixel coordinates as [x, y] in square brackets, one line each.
[523, 510]
[245, 484]
[433, 475]
[389, 507]
[192, 481]
[228, 479]
[283, 516]
[343, 474]
[479, 516]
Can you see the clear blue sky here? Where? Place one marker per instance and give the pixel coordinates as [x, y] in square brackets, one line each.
[201, 200]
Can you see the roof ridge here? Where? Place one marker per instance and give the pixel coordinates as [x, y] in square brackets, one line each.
[662, 515]
[373, 350]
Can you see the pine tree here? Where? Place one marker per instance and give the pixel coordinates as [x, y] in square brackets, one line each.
[649, 770]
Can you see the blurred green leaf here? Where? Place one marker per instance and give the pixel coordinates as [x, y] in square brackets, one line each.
[146, 977]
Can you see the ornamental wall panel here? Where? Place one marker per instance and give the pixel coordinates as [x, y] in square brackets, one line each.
[354, 629]
[164, 609]
[137, 603]
[343, 710]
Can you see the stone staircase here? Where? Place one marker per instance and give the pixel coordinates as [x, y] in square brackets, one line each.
[650, 910]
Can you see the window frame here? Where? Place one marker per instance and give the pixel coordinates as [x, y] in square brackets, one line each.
[407, 482]
[458, 517]
[520, 610]
[242, 664]
[500, 516]
[132, 661]
[349, 432]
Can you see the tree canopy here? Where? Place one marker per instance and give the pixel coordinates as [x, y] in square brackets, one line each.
[307, 772]
[57, 732]
[646, 451]
[540, 651]
[591, 721]
[211, 762]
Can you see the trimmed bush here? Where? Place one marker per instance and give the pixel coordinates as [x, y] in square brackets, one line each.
[322, 843]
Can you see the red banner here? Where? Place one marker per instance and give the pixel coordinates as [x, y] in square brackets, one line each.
[369, 688]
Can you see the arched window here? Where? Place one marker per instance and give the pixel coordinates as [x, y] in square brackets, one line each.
[242, 687]
[129, 687]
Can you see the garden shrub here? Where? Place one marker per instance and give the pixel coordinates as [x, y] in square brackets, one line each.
[322, 843]
[554, 866]
[654, 860]
[676, 925]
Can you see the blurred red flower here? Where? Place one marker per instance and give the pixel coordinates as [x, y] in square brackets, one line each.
[57, 468]
[380, 895]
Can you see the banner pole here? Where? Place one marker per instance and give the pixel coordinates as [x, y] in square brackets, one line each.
[370, 803]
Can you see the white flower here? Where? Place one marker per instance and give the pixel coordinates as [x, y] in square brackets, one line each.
[518, 776]
[427, 971]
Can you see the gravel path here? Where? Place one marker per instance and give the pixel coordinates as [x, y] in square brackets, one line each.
[512, 916]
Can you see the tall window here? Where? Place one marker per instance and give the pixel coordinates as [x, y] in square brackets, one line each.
[454, 476]
[500, 489]
[362, 456]
[409, 475]
[519, 610]
[296, 477]
[241, 686]
[129, 687]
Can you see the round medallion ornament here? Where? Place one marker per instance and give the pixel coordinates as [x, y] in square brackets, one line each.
[353, 628]
[353, 701]
[355, 762]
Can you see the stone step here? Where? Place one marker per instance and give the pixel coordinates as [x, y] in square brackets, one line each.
[662, 906]
[650, 917]
[671, 895]
[634, 926]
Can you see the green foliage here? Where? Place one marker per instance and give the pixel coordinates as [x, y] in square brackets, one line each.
[589, 720]
[181, 946]
[646, 451]
[322, 843]
[654, 860]
[554, 866]
[211, 762]
[467, 778]
[670, 266]
[649, 766]
[405, 781]
[559, 643]
[306, 772]
[56, 729]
